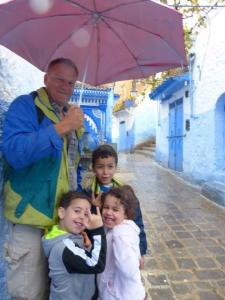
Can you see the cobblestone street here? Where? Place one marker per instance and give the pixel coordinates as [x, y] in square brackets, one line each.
[186, 234]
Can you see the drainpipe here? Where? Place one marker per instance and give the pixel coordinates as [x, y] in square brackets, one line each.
[191, 84]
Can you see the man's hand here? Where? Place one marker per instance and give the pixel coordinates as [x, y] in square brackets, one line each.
[72, 120]
[94, 220]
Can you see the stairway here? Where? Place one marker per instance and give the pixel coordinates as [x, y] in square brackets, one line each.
[147, 148]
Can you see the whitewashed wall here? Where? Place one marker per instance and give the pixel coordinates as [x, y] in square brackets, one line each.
[202, 153]
[142, 117]
[145, 120]
[121, 116]
[204, 144]
[17, 76]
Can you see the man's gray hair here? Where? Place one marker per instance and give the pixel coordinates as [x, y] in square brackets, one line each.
[65, 61]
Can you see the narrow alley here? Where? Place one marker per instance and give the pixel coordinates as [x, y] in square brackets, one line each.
[185, 231]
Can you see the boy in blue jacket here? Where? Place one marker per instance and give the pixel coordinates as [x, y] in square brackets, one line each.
[104, 165]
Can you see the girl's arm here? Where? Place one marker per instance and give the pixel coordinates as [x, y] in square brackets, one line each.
[126, 252]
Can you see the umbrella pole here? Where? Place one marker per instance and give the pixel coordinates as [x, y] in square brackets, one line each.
[85, 69]
[83, 80]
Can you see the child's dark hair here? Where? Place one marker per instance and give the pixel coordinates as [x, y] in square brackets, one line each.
[104, 151]
[127, 199]
[70, 196]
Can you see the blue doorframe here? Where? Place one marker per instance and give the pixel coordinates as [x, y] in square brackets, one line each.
[175, 137]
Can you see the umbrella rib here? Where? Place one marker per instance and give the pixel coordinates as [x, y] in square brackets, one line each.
[123, 42]
[66, 38]
[75, 3]
[98, 54]
[142, 29]
[123, 4]
[39, 18]
[167, 65]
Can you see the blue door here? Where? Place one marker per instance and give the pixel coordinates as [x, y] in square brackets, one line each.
[176, 135]
[122, 137]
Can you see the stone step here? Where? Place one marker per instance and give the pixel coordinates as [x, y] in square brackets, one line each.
[149, 143]
[146, 152]
[147, 148]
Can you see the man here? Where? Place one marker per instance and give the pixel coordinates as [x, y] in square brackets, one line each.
[40, 144]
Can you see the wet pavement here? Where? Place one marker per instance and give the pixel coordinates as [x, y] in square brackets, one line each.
[185, 231]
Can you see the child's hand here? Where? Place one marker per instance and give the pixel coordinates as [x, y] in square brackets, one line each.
[94, 221]
[87, 242]
[142, 263]
[96, 201]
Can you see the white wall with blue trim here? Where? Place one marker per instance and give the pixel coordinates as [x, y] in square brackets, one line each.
[206, 147]
[145, 121]
[203, 109]
[134, 125]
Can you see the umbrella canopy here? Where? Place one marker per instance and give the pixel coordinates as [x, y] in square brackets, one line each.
[108, 40]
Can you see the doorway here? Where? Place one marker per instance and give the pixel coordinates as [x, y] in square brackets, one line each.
[175, 137]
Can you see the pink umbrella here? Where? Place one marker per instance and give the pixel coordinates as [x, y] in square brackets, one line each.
[108, 40]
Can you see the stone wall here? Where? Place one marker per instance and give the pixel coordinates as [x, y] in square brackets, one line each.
[3, 223]
[16, 77]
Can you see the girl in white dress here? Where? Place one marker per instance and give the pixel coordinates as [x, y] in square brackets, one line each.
[121, 279]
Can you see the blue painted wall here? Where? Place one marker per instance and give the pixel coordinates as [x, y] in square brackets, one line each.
[97, 105]
[126, 138]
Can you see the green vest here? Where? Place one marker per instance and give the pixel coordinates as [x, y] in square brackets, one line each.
[32, 193]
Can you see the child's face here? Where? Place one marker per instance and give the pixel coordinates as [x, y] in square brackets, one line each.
[104, 169]
[113, 212]
[74, 218]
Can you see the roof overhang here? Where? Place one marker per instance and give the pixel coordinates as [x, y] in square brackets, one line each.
[169, 87]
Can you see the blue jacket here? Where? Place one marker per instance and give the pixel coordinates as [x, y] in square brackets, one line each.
[38, 162]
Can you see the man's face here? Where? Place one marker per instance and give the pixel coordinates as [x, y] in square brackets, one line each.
[59, 82]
